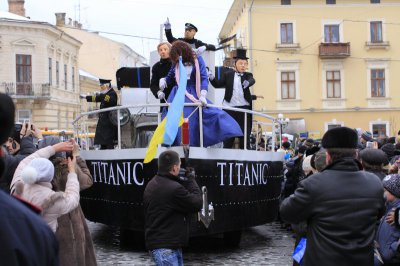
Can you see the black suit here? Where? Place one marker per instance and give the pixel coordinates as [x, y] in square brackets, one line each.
[227, 80]
[158, 71]
[106, 132]
[193, 42]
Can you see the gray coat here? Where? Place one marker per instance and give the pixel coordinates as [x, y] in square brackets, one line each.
[341, 206]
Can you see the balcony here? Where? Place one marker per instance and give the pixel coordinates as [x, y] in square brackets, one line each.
[22, 90]
[334, 50]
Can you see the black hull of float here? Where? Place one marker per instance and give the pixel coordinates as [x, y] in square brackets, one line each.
[244, 187]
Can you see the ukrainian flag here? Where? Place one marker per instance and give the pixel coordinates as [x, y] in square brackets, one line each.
[168, 128]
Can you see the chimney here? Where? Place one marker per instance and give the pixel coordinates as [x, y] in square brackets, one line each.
[16, 7]
[60, 19]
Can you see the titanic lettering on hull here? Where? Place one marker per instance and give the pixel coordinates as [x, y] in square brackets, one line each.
[242, 174]
[131, 173]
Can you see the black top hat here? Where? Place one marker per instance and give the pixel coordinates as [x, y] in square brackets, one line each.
[104, 81]
[190, 26]
[241, 54]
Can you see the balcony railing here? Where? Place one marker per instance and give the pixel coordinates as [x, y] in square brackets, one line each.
[334, 50]
[26, 90]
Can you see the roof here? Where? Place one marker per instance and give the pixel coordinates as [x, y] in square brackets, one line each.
[8, 15]
[87, 74]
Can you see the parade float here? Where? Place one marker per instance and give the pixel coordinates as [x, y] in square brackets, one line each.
[241, 187]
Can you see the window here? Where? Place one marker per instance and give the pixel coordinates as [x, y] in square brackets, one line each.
[379, 130]
[377, 83]
[331, 33]
[288, 85]
[333, 84]
[331, 2]
[24, 74]
[375, 1]
[50, 71]
[65, 76]
[23, 115]
[73, 78]
[285, 2]
[57, 73]
[376, 31]
[287, 33]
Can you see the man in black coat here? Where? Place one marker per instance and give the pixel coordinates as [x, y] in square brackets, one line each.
[168, 201]
[341, 206]
[160, 70]
[106, 132]
[237, 94]
[190, 32]
[25, 237]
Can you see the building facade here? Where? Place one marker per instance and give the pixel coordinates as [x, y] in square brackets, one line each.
[326, 62]
[39, 70]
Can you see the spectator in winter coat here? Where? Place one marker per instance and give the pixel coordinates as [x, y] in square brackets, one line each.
[341, 206]
[32, 182]
[387, 235]
[168, 201]
[373, 161]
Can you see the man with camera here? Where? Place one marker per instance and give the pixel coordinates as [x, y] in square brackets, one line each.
[19, 145]
[168, 201]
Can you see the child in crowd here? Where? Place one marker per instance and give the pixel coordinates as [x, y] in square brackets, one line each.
[387, 235]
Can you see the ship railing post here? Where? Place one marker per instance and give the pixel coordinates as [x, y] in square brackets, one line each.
[245, 130]
[201, 125]
[119, 129]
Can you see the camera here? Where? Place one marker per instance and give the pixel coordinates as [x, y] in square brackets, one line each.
[68, 154]
[369, 144]
[18, 127]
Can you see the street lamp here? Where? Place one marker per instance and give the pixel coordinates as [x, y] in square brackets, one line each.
[282, 124]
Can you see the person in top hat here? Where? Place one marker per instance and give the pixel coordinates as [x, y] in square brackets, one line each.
[341, 205]
[237, 93]
[190, 32]
[106, 132]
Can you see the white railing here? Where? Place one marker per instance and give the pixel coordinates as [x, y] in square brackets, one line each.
[274, 122]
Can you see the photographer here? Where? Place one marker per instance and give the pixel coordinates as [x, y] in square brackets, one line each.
[19, 145]
[168, 201]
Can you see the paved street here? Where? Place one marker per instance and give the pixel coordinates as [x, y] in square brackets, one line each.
[261, 245]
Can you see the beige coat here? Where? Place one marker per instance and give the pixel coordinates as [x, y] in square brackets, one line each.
[53, 204]
[75, 242]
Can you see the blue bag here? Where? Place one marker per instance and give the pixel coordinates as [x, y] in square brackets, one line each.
[298, 252]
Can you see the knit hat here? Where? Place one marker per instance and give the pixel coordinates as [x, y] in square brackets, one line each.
[307, 168]
[373, 157]
[392, 184]
[389, 149]
[320, 160]
[340, 137]
[38, 170]
[366, 135]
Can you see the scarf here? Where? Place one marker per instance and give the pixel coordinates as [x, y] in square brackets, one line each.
[190, 96]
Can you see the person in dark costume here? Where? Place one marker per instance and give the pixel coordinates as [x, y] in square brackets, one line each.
[160, 70]
[237, 94]
[190, 32]
[106, 132]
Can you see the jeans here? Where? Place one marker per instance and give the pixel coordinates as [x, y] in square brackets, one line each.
[167, 257]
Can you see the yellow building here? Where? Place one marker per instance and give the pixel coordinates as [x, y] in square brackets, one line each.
[325, 61]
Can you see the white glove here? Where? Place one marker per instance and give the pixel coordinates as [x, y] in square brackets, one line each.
[203, 100]
[167, 25]
[160, 95]
[82, 96]
[211, 75]
[162, 84]
[245, 84]
[200, 50]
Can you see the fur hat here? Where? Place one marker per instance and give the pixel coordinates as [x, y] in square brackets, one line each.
[320, 160]
[340, 137]
[38, 170]
[366, 135]
[373, 157]
[7, 111]
[392, 184]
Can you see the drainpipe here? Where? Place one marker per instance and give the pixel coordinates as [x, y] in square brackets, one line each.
[250, 38]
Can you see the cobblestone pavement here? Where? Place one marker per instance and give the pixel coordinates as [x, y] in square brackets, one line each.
[262, 245]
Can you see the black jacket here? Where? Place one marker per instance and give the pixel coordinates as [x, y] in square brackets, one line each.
[106, 132]
[11, 161]
[158, 71]
[167, 204]
[227, 80]
[25, 237]
[193, 42]
[341, 206]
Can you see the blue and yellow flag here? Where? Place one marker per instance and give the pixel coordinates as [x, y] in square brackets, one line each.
[168, 128]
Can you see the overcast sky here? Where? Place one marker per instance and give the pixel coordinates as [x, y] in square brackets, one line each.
[135, 17]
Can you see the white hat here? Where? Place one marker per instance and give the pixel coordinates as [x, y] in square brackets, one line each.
[38, 170]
